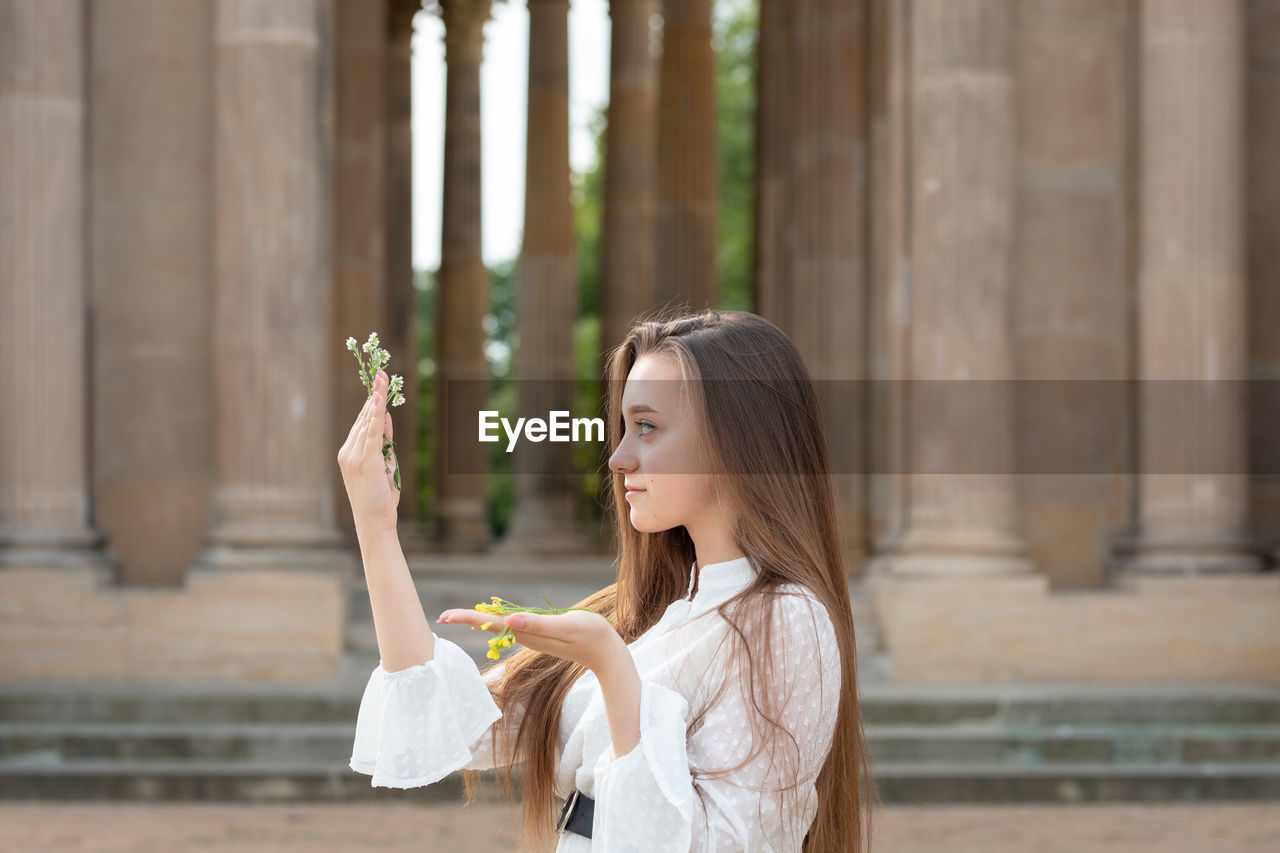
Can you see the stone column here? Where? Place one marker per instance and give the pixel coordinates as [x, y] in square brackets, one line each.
[626, 280]
[888, 361]
[44, 465]
[773, 124]
[400, 295]
[462, 294]
[1194, 482]
[1262, 218]
[359, 185]
[273, 344]
[152, 283]
[630, 161]
[688, 182]
[546, 298]
[826, 197]
[963, 505]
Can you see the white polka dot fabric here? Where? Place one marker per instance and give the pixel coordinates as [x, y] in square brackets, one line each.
[418, 725]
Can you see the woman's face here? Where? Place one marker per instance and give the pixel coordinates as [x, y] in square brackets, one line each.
[659, 454]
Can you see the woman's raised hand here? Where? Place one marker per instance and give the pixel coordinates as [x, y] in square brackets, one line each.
[366, 473]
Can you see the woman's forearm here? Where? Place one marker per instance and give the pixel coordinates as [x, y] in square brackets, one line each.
[404, 636]
[620, 688]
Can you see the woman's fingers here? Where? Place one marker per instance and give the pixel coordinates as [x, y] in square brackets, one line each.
[474, 618]
[356, 424]
[370, 421]
[347, 450]
[377, 416]
[371, 442]
[362, 430]
[377, 401]
[524, 622]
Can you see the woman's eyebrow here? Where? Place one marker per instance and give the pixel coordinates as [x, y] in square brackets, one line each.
[641, 407]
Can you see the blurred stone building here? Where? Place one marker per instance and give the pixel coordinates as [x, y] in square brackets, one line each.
[1060, 204]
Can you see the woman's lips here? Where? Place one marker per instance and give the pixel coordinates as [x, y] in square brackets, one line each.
[631, 493]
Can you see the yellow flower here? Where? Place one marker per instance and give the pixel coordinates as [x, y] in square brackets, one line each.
[499, 606]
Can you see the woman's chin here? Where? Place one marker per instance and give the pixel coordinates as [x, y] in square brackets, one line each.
[644, 524]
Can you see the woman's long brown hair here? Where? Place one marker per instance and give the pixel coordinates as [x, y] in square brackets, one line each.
[763, 437]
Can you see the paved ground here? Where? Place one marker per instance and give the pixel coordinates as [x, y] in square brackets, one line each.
[393, 827]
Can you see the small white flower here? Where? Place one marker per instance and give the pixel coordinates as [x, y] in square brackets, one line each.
[378, 359]
[397, 383]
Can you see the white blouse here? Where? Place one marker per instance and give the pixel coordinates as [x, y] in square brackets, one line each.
[417, 725]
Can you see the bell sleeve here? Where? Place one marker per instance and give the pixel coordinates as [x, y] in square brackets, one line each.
[417, 725]
[651, 800]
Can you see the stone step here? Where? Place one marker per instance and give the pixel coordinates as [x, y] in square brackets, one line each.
[239, 781]
[209, 705]
[928, 743]
[1069, 704]
[897, 782]
[1077, 782]
[1007, 707]
[1042, 745]
[52, 743]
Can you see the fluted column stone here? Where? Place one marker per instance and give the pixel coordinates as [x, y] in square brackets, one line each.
[627, 268]
[462, 294]
[688, 182]
[546, 299]
[359, 175]
[1194, 483]
[273, 502]
[400, 292]
[826, 198]
[45, 517]
[963, 514]
[152, 289]
[774, 100]
[888, 363]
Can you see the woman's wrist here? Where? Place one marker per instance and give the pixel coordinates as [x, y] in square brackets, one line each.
[370, 533]
[620, 688]
[614, 659]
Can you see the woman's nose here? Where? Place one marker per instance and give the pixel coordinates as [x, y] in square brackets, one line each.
[619, 461]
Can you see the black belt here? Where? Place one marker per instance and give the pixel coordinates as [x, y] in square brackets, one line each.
[577, 814]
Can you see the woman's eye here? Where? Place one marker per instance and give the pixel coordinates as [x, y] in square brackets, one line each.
[643, 424]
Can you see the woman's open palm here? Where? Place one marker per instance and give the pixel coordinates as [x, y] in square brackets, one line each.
[366, 473]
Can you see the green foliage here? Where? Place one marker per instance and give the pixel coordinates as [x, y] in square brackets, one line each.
[499, 339]
[736, 35]
[500, 332]
[500, 328]
[589, 457]
[588, 221]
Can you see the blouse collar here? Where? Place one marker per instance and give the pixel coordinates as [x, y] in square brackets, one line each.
[720, 580]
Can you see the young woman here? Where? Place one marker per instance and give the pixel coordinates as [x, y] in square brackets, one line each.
[719, 709]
